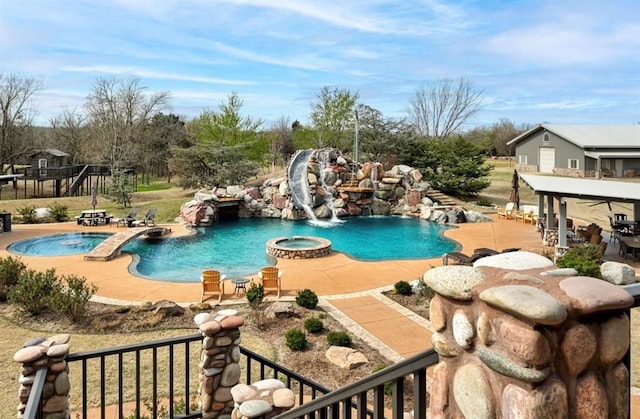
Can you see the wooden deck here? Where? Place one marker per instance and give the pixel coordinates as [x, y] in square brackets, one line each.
[110, 248]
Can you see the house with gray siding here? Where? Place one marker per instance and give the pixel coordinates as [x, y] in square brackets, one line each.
[579, 150]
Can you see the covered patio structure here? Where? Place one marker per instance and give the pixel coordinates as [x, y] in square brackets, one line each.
[550, 188]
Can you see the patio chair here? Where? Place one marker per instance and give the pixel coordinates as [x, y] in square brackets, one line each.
[127, 220]
[270, 277]
[148, 220]
[616, 230]
[460, 258]
[507, 212]
[212, 283]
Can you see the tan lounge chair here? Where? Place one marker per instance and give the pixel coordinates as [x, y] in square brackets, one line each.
[507, 212]
[270, 277]
[212, 283]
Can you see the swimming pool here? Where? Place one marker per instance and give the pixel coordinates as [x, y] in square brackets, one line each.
[238, 248]
[64, 244]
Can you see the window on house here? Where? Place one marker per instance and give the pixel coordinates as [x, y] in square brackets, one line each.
[545, 137]
[573, 164]
[522, 159]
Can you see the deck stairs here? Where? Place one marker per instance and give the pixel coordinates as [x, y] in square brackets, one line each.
[73, 188]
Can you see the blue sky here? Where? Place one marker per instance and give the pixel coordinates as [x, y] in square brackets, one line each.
[535, 60]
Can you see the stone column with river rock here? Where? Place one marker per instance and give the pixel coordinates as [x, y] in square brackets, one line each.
[520, 338]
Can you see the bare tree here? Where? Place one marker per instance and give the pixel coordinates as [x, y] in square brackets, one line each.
[280, 140]
[16, 116]
[119, 111]
[70, 134]
[439, 109]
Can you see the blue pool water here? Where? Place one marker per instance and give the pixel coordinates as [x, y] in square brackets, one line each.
[238, 248]
[58, 244]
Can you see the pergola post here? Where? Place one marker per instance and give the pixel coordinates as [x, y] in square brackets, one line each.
[562, 222]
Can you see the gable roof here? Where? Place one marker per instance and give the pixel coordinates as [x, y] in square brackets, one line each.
[52, 151]
[591, 136]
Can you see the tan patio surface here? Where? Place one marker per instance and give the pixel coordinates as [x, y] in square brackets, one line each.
[336, 274]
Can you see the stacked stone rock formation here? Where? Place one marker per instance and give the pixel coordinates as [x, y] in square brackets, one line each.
[374, 191]
[50, 353]
[219, 360]
[262, 399]
[519, 338]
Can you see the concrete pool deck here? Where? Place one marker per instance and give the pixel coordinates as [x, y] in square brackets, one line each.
[332, 275]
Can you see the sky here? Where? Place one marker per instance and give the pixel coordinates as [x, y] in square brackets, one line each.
[535, 61]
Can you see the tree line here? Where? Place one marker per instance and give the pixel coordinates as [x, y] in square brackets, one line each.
[123, 125]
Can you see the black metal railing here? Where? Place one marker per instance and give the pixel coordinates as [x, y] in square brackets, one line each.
[404, 382]
[138, 384]
[366, 398]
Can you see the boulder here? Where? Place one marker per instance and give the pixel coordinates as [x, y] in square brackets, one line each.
[281, 309]
[168, 308]
[618, 273]
[347, 358]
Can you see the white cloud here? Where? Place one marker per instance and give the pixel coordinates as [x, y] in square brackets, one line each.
[151, 74]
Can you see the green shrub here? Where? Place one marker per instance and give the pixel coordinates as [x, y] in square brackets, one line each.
[484, 203]
[255, 295]
[71, 298]
[583, 259]
[28, 214]
[296, 339]
[59, 212]
[339, 339]
[307, 299]
[388, 388]
[313, 325]
[403, 288]
[10, 270]
[32, 294]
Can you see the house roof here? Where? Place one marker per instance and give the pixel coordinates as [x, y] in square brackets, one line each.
[591, 136]
[52, 151]
[591, 189]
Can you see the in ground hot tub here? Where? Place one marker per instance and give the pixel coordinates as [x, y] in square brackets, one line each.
[298, 247]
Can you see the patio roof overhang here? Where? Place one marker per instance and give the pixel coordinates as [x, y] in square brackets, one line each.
[591, 189]
[578, 188]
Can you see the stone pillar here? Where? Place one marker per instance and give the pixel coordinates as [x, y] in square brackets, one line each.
[219, 360]
[41, 352]
[520, 338]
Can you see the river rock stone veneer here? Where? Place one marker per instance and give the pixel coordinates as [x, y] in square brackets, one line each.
[519, 338]
[219, 360]
[51, 353]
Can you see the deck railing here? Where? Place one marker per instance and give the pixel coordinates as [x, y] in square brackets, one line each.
[139, 386]
[364, 399]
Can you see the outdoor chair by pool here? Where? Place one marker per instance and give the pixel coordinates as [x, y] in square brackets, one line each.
[507, 212]
[149, 219]
[460, 258]
[127, 220]
[270, 277]
[212, 283]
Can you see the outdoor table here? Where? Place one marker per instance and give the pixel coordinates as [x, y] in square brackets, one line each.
[240, 283]
[632, 243]
[93, 217]
[626, 225]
